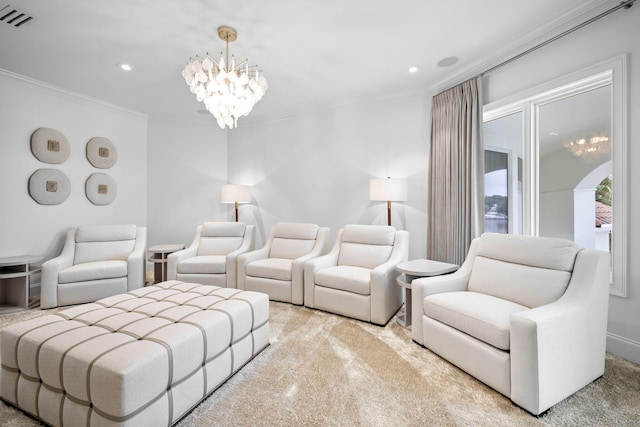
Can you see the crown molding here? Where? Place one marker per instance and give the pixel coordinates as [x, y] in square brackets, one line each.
[569, 19]
[10, 75]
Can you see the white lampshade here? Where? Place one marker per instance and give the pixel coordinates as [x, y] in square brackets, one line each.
[388, 189]
[231, 193]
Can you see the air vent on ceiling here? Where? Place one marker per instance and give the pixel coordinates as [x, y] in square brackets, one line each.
[15, 17]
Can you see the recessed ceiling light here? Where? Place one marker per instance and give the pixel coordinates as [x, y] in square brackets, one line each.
[553, 134]
[447, 62]
[413, 69]
[124, 67]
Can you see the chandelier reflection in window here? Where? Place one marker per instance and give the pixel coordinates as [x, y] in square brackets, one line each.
[590, 146]
[228, 90]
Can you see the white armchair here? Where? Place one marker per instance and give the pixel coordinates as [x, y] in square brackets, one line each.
[358, 277]
[97, 261]
[212, 257]
[277, 268]
[525, 315]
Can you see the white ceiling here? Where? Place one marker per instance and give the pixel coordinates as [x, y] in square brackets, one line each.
[313, 54]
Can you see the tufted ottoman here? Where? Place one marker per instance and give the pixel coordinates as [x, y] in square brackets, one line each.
[144, 358]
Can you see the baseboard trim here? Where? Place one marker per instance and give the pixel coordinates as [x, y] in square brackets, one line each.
[623, 347]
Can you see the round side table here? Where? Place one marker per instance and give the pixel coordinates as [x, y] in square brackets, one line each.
[159, 259]
[415, 269]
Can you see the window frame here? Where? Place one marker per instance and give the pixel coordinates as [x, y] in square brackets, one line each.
[612, 72]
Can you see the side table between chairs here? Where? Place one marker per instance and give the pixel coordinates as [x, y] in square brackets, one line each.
[412, 270]
[159, 259]
[15, 281]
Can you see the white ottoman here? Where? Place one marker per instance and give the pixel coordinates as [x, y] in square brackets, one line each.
[144, 358]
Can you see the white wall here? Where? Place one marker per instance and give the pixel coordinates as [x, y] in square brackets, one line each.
[611, 36]
[27, 227]
[187, 164]
[316, 166]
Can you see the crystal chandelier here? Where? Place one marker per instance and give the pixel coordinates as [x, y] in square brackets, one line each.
[589, 147]
[228, 90]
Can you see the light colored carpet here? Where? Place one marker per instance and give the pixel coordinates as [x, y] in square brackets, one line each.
[322, 369]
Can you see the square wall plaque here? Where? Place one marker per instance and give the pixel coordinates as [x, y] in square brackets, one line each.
[52, 186]
[53, 145]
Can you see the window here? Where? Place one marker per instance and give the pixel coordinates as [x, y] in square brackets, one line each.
[503, 143]
[557, 175]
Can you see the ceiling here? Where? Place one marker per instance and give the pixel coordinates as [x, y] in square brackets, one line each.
[313, 54]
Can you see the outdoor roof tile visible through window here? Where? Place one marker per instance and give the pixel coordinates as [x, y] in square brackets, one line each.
[603, 214]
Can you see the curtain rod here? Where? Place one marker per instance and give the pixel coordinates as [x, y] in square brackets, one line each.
[624, 4]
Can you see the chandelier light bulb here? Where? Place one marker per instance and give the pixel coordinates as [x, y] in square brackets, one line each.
[590, 146]
[228, 92]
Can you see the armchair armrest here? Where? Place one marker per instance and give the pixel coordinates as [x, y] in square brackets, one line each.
[560, 347]
[311, 266]
[425, 286]
[248, 257]
[297, 265]
[51, 268]
[248, 243]
[386, 296]
[136, 261]
[174, 259]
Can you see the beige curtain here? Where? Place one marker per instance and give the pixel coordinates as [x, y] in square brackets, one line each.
[456, 172]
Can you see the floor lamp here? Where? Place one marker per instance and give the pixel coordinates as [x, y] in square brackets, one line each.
[236, 194]
[389, 190]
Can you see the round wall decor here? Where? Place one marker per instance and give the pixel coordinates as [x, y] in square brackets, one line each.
[101, 153]
[49, 186]
[49, 145]
[101, 189]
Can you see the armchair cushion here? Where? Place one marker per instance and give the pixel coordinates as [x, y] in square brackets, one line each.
[270, 268]
[366, 246]
[345, 278]
[554, 254]
[205, 264]
[291, 241]
[369, 234]
[482, 316]
[223, 229]
[294, 230]
[290, 248]
[104, 242]
[522, 284]
[96, 270]
[105, 233]
[220, 238]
